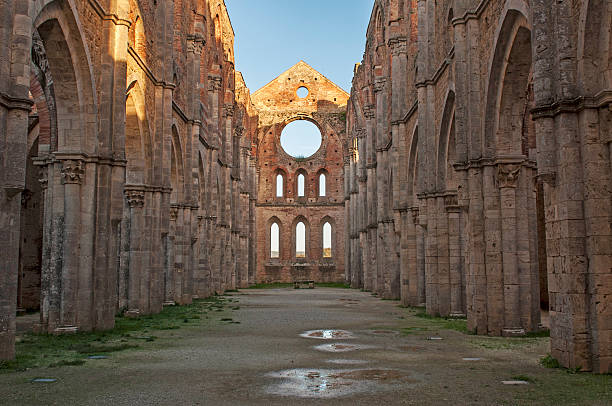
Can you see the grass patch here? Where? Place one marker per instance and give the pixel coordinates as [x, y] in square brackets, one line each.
[276, 285]
[447, 323]
[279, 285]
[340, 285]
[523, 378]
[48, 350]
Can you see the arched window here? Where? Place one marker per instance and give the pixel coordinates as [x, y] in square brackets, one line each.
[327, 240]
[279, 185]
[322, 184]
[274, 241]
[300, 185]
[300, 240]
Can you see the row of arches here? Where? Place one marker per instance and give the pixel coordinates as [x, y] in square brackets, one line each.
[300, 188]
[301, 236]
[487, 212]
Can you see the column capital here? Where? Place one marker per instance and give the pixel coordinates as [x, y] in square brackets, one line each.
[214, 83]
[398, 46]
[135, 198]
[72, 171]
[507, 175]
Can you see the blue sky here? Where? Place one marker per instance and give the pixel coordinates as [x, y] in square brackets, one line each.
[273, 35]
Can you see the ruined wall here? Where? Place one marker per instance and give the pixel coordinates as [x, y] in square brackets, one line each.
[487, 176]
[126, 160]
[325, 105]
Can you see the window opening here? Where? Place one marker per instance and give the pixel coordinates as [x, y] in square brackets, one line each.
[274, 241]
[327, 240]
[301, 181]
[322, 185]
[300, 240]
[279, 185]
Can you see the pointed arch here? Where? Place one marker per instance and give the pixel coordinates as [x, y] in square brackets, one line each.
[176, 167]
[138, 150]
[510, 69]
[446, 139]
[70, 65]
[594, 68]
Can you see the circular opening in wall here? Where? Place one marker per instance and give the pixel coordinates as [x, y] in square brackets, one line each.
[302, 92]
[301, 139]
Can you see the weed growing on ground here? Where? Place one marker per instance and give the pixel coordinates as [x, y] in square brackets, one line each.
[523, 378]
[48, 350]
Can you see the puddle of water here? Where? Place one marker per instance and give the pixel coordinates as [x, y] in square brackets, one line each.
[97, 357]
[328, 334]
[515, 382]
[472, 359]
[326, 383]
[341, 347]
[347, 361]
[44, 380]
[435, 338]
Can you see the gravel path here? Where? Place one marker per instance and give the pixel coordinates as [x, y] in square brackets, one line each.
[381, 355]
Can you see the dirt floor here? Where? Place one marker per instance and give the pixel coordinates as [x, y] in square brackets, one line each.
[321, 346]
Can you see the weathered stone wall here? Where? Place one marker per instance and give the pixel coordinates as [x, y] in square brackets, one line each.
[129, 168]
[325, 105]
[498, 171]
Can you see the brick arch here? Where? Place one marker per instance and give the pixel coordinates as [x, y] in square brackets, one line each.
[283, 172]
[325, 172]
[274, 220]
[308, 246]
[70, 65]
[45, 114]
[508, 83]
[297, 173]
[332, 222]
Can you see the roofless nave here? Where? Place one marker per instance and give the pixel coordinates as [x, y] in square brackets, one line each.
[469, 170]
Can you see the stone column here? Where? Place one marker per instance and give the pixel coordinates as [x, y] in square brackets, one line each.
[137, 287]
[455, 256]
[507, 176]
[72, 176]
[169, 284]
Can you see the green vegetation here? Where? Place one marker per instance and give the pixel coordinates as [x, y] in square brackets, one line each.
[271, 286]
[278, 285]
[550, 362]
[523, 378]
[48, 350]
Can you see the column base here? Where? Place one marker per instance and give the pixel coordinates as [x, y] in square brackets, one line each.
[132, 313]
[513, 332]
[66, 330]
[457, 315]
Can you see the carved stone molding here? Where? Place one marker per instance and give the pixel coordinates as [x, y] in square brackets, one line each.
[415, 214]
[451, 201]
[238, 131]
[214, 83]
[39, 56]
[361, 133]
[173, 213]
[398, 46]
[72, 171]
[380, 84]
[549, 178]
[228, 110]
[507, 175]
[369, 111]
[195, 44]
[135, 198]
[43, 179]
